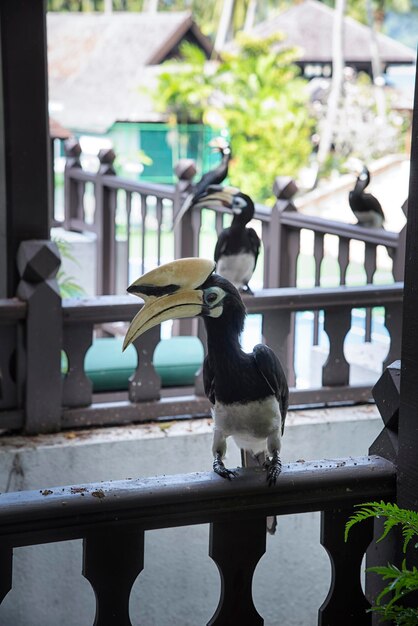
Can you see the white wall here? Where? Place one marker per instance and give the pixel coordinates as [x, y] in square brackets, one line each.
[180, 584]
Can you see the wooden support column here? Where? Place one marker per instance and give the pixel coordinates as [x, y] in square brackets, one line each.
[408, 412]
[24, 137]
[38, 263]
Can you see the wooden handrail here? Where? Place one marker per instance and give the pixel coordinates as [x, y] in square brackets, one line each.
[180, 500]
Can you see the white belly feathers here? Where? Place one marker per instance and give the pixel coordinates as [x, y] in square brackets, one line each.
[237, 268]
[249, 424]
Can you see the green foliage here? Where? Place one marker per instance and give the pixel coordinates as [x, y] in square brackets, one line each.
[257, 94]
[401, 581]
[69, 288]
[184, 88]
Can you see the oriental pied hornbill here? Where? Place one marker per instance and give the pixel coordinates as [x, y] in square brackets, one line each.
[214, 177]
[365, 206]
[249, 392]
[237, 247]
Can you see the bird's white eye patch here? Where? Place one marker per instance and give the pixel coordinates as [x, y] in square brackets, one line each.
[213, 296]
[238, 205]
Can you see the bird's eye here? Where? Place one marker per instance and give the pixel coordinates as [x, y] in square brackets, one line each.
[213, 296]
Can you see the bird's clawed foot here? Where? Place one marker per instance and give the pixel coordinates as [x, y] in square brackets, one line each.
[219, 468]
[274, 468]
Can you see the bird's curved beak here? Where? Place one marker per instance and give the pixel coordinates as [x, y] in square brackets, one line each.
[354, 165]
[218, 143]
[170, 291]
[219, 198]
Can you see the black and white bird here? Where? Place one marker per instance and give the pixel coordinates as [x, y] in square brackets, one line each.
[238, 246]
[248, 392]
[214, 177]
[365, 206]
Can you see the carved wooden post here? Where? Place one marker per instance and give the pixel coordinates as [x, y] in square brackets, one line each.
[38, 263]
[236, 547]
[386, 393]
[77, 386]
[104, 218]
[336, 369]
[73, 189]
[112, 561]
[8, 343]
[278, 334]
[145, 383]
[398, 269]
[279, 272]
[184, 242]
[6, 567]
[345, 604]
[185, 170]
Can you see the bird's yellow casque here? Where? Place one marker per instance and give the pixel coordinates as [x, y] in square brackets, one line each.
[169, 292]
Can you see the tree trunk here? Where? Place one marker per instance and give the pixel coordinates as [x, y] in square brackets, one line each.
[336, 84]
[151, 6]
[250, 16]
[377, 71]
[225, 22]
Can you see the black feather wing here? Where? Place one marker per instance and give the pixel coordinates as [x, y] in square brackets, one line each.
[221, 244]
[254, 243]
[272, 371]
[208, 380]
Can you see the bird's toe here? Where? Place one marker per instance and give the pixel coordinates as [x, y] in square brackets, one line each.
[223, 471]
[273, 471]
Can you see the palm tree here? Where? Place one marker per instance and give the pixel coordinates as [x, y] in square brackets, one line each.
[336, 84]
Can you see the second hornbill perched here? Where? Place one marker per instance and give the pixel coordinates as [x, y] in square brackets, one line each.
[365, 206]
[214, 177]
[249, 392]
[237, 247]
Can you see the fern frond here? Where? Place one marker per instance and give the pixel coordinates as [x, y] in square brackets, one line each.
[402, 581]
[394, 515]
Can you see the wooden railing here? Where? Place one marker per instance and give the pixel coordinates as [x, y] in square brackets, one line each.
[34, 331]
[113, 517]
[144, 211]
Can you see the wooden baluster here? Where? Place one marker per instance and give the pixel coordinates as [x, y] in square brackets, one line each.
[185, 170]
[73, 206]
[279, 333]
[343, 258]
[236, 547]
[128, 233]
[8, 387]
[345, 604]
[143, 230]
[393, 323]
[6, 568]
[77, 387]
[265, 238]
[112, 560]
[336, 369]
[196, 226]
[145, 384]
[104, 217]
[159, 211]
[370, 264]
[318, 257]
[199, 388]
[219, 223]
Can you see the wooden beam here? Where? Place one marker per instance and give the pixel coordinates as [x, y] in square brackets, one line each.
[24, 135]
[408, 413]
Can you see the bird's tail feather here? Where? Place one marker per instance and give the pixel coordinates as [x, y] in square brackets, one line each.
[255, 460]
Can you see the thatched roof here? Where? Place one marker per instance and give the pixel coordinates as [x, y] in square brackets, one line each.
[98, 63]
[308, 26]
